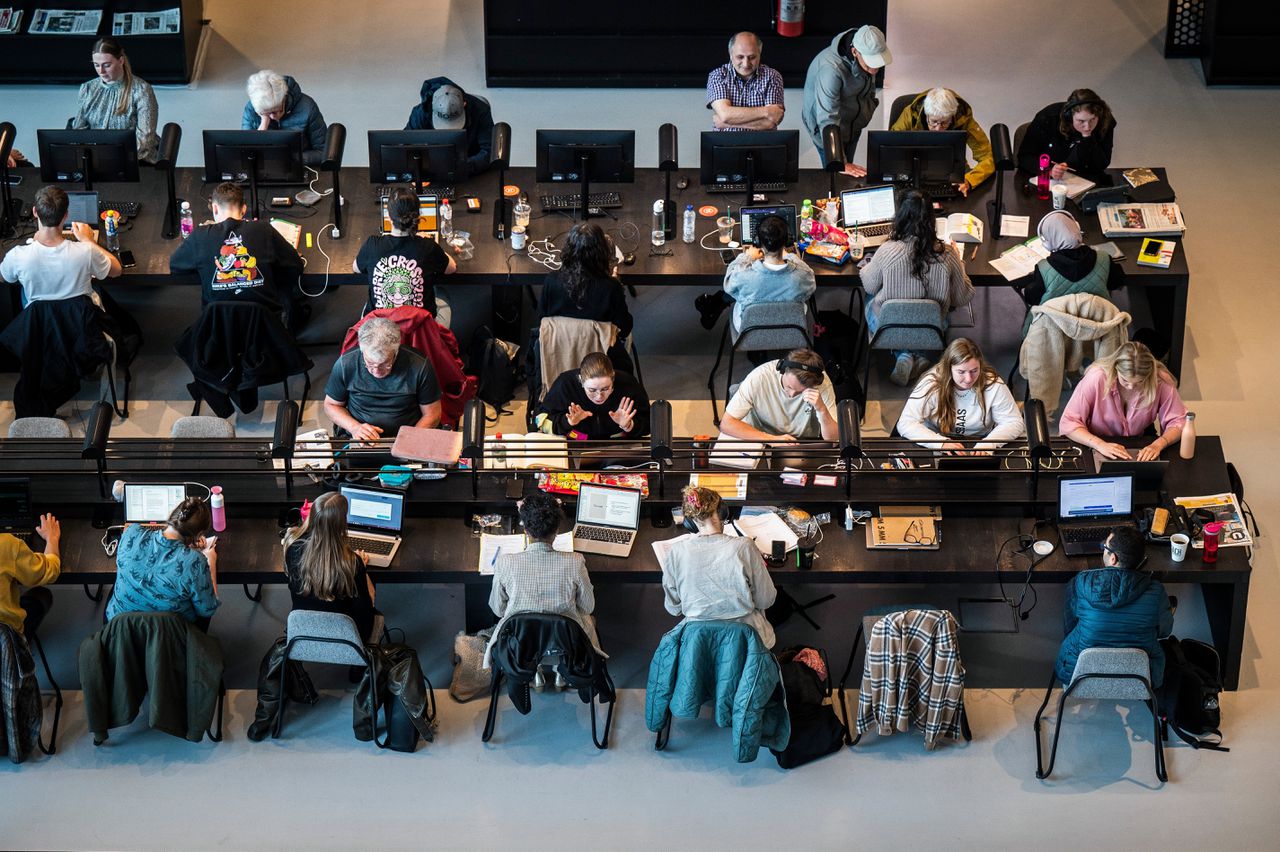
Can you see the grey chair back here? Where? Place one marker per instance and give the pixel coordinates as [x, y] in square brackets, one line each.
[338, 629]
[774, 325]
[900, 103]
[197, 426]
[914, 324]
[39, 427]
[1112, 674]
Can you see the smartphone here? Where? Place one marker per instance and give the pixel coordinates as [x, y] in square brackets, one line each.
[126, 259]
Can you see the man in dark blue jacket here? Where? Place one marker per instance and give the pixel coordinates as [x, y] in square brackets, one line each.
[445, 106]
[1116, 606]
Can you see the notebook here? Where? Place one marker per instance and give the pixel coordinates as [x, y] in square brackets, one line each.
[1089, 507]
[608, 519]
[752, 216]
[374, 519]
[151, 503]
[439, 446]
[428, 210]
[870, 209]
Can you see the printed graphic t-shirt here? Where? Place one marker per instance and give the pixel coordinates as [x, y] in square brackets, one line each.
[402, 271]
[245, 261]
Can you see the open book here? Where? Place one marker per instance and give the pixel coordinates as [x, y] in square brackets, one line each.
[1076, 185]
[959, 228]
[1020, 260]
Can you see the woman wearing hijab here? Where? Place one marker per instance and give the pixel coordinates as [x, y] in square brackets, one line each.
[1071, 267]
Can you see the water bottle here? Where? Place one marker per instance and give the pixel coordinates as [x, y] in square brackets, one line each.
[446, 222]
[659, 224]
[690, 221]
[1042, 182]
[217, 509]
[1188, 447]
[186, 222]
[113, 235]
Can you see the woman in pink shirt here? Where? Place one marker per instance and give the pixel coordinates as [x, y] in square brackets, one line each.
[1120, 396]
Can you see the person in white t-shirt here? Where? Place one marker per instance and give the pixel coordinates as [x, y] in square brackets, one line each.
[961, 397]
[785, 400]
[51, 267]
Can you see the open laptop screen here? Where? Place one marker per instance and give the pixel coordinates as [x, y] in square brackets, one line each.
[151, 503]
[382, 510]
[867, 206]
[602, 505]
[428, 208]
[15, 500]
[753, 216]
[1095, 497]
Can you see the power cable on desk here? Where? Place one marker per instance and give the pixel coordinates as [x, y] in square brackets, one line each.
[328, 262]
[1025, 542]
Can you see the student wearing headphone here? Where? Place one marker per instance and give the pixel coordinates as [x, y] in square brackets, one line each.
[1071, 266]
[1076, 134]
[785, 400]
[1116, 606]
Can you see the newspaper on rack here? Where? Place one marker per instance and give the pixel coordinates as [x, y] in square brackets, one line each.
[10, 20]
[1141, 220]
[1226, 511]
[160, 22]
[65, 22]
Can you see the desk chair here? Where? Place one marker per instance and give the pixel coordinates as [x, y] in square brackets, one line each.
[327, 637]
[912, 324]
[202, 427]
[900, 103]
[39, 427]
[766, 326]
[36, 602]
[560, 344]
[1019, 133]
[1116, 674]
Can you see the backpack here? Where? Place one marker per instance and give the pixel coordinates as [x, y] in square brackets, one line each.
[836, 338]
[815, 729]
[490, 360]
[1189, 694]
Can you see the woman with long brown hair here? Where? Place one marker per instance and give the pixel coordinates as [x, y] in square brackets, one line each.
[585, 287]
[961, 397]
[324, 573]
[118, 100]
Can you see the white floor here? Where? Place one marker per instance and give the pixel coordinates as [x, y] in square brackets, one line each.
[541, 784]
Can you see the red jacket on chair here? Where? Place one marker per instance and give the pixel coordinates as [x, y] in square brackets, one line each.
[420, 331]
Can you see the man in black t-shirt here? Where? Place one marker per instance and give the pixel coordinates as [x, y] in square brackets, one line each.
[380, 386]
[404, 268]
[239, 259]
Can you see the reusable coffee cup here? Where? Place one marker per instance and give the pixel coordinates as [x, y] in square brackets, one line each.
[725, 224]
[518, 238]
[1178, 544]
[1059, 193]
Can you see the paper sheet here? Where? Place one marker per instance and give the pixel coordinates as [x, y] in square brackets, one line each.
[1020, 260]
[730, 452]
[311, 449]
[763, 529]
[1014, 226]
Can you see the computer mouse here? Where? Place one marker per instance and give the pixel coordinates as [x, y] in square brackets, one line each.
[683, 183]
[629, 259]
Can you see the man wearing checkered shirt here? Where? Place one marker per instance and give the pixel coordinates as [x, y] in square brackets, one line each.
[742, 94]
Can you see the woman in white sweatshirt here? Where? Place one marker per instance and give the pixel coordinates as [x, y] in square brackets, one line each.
[961, 397]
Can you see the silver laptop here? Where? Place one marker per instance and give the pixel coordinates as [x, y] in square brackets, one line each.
[752, 216]
[1089, 507]
[608, 519]
[81, 207]
[374, 520]
[151, 503]
[870, 209]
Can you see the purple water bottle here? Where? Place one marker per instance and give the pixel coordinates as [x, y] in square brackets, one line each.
[1042, 182]
[217, 509]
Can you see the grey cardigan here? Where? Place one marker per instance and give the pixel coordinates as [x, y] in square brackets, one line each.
[96, 108]
[888, 276]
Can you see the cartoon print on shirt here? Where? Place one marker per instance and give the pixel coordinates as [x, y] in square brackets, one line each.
[234, 268]
[397, 281]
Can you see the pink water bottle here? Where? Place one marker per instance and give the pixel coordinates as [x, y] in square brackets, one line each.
[217, 509]
[1042, 182]
[1212, 534]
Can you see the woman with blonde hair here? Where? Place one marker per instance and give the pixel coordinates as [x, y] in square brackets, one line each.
[324, 573]
[710, 576]
[118, 100]
[961, 397]
[1121, 396]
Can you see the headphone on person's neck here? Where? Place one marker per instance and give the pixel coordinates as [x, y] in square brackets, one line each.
[1075, 103]
[692, 526]
[785, 364]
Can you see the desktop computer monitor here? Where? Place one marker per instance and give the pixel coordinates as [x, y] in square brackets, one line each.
[749, 157]
[415, 156]
[257, 156]
[85, 156]
[595, 156]
[917, 157]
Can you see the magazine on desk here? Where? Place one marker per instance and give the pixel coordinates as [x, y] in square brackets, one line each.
[1141, 220]
[1226, 511]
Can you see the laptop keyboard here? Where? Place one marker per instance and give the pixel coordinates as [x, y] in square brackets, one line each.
[605, 534]
[1086, 535]
[881, 230]
[376, 546]
[571, 201]
[758, 186]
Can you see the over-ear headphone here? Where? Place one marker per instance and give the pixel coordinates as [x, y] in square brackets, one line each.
[785, 364]
[692, 526]
[1070, 106]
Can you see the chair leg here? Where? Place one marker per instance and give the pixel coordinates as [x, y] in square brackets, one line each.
[57, 698]
[728, 379]
[1161, 771]
[602, 743]
[95, 596]
[844, 679]
[256, 596]
[492, 718]
[216, 733]
[1043, 773]
[711, 379]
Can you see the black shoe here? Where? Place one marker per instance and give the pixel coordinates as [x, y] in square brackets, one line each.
[710, 307]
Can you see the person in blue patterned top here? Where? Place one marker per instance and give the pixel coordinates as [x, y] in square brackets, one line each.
[170, 569]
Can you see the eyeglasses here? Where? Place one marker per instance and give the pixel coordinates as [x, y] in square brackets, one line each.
[915, 534]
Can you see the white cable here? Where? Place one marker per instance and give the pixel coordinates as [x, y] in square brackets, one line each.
[328, 261]
[703, 241]
[544, 252]
[312, 184]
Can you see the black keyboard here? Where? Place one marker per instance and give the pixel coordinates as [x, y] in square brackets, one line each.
[377, 546]
[127, 209]
[572, 200]
[761, 186]
[605, 534]
[1085, 535]
[943, 191]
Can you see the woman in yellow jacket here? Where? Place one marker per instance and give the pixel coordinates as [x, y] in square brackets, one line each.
[943, 109]
[20, 566]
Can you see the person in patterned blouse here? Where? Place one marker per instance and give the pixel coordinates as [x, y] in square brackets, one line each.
[173, 568]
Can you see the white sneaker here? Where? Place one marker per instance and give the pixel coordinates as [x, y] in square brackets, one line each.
[901, 375]
[921, 364]
[561, 683]
[539, 681]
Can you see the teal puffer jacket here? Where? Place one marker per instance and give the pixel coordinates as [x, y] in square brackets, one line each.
[1114, 608]
[724, 662]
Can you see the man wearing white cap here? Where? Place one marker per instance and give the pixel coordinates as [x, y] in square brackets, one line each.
[445, 106]
[840, 89]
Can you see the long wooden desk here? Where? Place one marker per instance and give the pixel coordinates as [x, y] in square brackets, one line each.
[1159, 296]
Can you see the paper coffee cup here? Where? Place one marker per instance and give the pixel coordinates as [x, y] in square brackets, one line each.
[518, 237]
[1059, 193]
[1178, 543]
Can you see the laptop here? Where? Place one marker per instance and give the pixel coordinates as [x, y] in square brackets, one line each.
[608, 519]
[971, 463]
[752, 216]
[428, 215]
[16, 517]
[1147, 475]
[151, 503]
[374, 520]
[81, 207]
[870, 209]
[1089, 507]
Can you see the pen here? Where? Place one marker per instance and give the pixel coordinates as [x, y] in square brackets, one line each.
[496, 554]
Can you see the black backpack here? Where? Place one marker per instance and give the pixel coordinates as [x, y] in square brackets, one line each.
[815, 729]
[1189, 694]
[497, 375]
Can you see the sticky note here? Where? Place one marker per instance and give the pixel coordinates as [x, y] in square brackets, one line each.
[308, 239]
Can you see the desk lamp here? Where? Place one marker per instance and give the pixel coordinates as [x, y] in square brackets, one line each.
[285, 439]
[660, 438]
[334, 145]
[668, 154]
[95, 442]
[1002, 153]
[167, 159]
[834, 154]
[473, 440]
[848, 420]
[1038, 441]
[501, 157]
[8, 213]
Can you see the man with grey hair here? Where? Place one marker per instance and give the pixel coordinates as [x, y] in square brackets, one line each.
[840, 90]
[742, 94]
[380, 386]
[943, 109]
[276, 102]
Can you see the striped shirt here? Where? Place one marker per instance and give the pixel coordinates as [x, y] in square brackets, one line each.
[760, 89]
[888, 276]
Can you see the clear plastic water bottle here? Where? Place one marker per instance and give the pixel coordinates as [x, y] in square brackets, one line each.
[113, 235]
[1042, 182]
[186, 221]
[690, 222]
[659, 224]
[217, 508]
[446, 222]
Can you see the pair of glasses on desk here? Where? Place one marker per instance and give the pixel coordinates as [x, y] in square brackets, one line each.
[914, 534]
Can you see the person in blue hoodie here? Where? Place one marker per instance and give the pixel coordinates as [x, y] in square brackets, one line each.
[445, 106]
[276, 102]
[1116, 606]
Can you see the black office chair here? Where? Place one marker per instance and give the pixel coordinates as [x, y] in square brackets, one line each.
[36, 603]
[900, 103]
